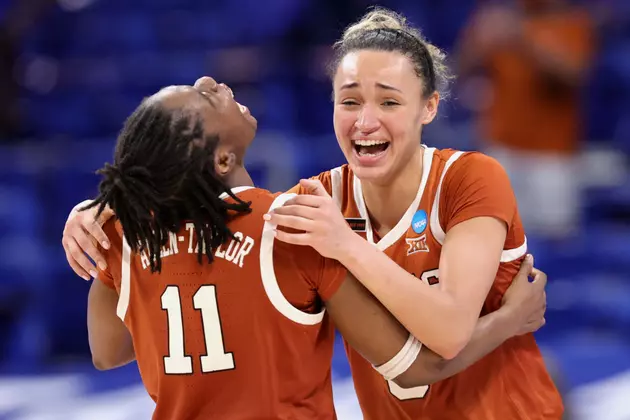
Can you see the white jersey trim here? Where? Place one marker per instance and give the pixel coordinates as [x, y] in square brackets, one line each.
[403, 224]
[337, 186]
[439, 234]
[235, 191]
[125, 281]
[402, 361]
[436, 227]
[513, 254]
[360, 203]
[268, 274]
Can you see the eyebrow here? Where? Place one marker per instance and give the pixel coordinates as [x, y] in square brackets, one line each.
[383, 86]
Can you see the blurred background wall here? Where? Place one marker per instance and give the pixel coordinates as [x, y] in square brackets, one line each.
[543, 85]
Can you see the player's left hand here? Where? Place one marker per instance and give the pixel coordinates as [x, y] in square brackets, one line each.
[525, 302]
[318, 218]
[81, 234]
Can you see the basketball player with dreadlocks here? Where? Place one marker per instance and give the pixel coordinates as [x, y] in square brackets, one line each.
[223, 322]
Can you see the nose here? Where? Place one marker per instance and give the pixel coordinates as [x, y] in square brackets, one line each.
[367, 120]
[206, 84]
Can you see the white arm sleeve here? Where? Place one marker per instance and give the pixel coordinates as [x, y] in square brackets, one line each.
[402, 360]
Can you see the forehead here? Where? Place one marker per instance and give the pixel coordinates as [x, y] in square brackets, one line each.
[179, 97]
[390, 67]
[186, 100]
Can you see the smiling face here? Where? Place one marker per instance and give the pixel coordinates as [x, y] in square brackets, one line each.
[220, 114]
[379, 112]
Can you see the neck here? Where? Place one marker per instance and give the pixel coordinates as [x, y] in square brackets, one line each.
[239, 177]
[387, 204]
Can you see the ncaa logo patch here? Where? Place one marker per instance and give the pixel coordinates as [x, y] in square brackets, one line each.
[419, 221]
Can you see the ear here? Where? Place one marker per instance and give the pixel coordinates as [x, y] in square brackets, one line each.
[430, 108]
[224, 161]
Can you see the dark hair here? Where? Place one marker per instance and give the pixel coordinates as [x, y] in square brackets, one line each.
[385, 30]
[163, 175]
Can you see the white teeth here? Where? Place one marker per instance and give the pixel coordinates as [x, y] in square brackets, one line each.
[362, 153]
[369, 142]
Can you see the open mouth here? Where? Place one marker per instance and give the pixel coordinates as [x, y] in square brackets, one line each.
[244, 110]
[370, 148]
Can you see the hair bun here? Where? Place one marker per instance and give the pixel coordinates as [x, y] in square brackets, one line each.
[377, 19]
[358, 36]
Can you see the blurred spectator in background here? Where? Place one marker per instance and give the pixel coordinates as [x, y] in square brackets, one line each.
[534, 56]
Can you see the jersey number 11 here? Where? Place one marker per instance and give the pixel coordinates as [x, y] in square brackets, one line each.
[205, 301]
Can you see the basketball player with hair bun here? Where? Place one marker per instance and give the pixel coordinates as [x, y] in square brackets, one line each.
[442, 237]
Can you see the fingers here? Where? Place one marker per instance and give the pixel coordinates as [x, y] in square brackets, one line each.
[88, 246]
[315, 187]
[535, 325]
[95, 229]
[305, 200]
[539, 277]
[76, 267]
[297, 210]
[79, 263]
[526, 266]
[81, 234]
[293, 238]
[293, 222]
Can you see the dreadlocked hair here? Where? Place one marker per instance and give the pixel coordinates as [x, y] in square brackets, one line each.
[163, 175]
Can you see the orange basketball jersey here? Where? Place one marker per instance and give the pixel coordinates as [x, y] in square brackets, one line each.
[511, 382]
[242, 338]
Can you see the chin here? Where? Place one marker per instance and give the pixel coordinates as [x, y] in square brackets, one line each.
[372, 174]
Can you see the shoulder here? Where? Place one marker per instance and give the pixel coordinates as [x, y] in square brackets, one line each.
[475, 185]
[260, 199]
[471, 166]
[113, 255]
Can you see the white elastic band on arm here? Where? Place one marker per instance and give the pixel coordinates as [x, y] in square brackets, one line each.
[402, 361]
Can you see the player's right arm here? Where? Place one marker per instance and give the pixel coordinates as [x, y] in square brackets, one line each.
[523, 312]
[110, 341]
[382, 340]
[373, 332]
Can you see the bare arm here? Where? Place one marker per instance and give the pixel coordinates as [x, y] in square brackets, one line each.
[110, 341]
[446, 319]
[490, 332]
[522, 312]
[358, 315]
[365, 323]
